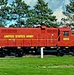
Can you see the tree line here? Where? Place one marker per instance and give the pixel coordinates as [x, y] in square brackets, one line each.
[69, 13]
[23, 14]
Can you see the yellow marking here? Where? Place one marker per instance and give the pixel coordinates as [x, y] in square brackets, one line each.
[8, 36]
[66, 47]
[51, 47]
[65, 38]
[32, 47]
[19, 36]
[29, 36]
[18, 47]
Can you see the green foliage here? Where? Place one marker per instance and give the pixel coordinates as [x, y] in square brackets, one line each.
[31, 18]
[19, 8]
[4, 10]
[70, 7]
[41, 14]
[70, 12]
[1, 25]
[2, 2]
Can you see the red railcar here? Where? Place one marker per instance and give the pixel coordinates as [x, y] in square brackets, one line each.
[18, 40]
[23, 37]
[66, 38]
[66, 41]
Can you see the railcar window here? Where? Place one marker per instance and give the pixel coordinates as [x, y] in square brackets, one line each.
[66, 33]
[73, 31]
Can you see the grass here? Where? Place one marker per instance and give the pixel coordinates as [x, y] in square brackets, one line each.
[49, 65]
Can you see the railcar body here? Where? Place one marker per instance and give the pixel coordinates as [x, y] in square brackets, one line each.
[18, 41]
[23, 37]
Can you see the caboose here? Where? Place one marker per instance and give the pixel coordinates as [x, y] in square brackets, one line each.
[19, 41]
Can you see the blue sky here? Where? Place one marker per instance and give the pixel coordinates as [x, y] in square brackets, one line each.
[57, 6]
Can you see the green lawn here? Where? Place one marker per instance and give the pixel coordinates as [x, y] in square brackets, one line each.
[49, 65]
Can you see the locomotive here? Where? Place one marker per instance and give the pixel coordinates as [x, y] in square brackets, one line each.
[21, 41]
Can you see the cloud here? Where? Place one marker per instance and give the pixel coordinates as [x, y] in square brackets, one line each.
[59, 15]
[31, 2]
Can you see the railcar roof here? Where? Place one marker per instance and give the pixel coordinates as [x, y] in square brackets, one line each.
[65, 29]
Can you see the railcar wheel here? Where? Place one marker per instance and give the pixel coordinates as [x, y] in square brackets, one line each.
[19, 53]
[60, 53]
[2, 53]
[71, 53]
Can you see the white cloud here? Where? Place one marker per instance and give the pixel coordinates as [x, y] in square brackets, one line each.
[59, 15]
[31, 2]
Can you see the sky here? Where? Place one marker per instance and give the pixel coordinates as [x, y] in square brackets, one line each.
[57, 6]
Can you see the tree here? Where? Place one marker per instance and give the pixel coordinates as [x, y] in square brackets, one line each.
[70, 11]
[4, 10]
[41, 14]
[31, 19]
[70, 7]
[2, 2]
[20, 9]
[1, 25]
